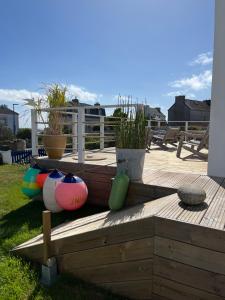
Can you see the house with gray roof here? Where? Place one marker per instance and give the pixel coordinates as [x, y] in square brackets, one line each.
[8, 118]
[189, 110]
[154, 113]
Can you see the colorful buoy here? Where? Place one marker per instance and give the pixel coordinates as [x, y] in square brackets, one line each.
[71, 193]
[41, 177]
[49, 191]
[30, 187]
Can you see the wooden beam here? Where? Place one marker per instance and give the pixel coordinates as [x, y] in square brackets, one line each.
[46, 218]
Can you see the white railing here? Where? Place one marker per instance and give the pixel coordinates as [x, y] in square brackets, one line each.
[79, 122]
[185, 125]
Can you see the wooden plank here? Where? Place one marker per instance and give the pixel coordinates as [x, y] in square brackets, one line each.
[170, 207]
[152, 175]
[192, 234]
[188, 275]
[172, 180]
[194, 214]
[215, 215]
[139, 193]
[128, 251]
[87, 238]
[133, 270]
[162, 180]
[177, 207]
[191, 255]
[158, 297]
[188, 178]
[46, 219]
[138, 289]
[176, 291]
[69, 167]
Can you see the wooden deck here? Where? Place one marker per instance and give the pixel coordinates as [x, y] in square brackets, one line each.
[157, 249]
[156, 159]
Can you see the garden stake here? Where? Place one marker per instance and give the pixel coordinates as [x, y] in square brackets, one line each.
[49, 266]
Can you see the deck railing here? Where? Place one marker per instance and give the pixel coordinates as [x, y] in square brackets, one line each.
[183, 125]
[89, 130]
[85, 129]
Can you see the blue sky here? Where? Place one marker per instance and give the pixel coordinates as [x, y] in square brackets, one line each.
[150, 49]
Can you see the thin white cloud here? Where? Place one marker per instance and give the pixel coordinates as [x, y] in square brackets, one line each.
[18, 95]
[14, 95]
[202, 59]
[180, 92]
[81, 93]
[195, 82]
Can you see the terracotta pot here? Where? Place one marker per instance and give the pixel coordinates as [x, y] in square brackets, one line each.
[54, 145]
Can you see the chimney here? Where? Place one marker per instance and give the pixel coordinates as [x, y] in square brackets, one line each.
[208, 102]
[75, 101]
[180, 98]
[159, 109]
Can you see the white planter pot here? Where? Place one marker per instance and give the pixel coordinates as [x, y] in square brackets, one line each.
[131, 161]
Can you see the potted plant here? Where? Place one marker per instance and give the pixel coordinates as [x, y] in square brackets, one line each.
[131, 139]
[54, 140]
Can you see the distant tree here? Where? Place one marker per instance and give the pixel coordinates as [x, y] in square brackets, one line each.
[5, 133]
[119, 113]
[24, 133]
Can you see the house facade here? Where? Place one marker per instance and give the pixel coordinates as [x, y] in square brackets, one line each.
[154, 113]
[8, 118]
[189, 110]
[91, 113]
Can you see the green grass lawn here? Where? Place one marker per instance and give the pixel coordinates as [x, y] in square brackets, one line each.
[20, 220]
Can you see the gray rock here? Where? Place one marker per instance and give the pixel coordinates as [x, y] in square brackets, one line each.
[191, 194]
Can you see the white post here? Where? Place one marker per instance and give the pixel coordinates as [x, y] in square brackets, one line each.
[216, 160]
[186, 125]
[74, 132]
[80, 134]
[102, 132]
[158, 124]
[34, 137]
[149, 123]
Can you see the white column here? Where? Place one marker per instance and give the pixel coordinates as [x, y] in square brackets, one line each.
[34, 137]
[216, 160]
[74, 132]
[80, 134]
[102, 132]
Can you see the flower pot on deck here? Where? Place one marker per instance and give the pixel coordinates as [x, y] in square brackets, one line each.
[131, 161]
[54, 145]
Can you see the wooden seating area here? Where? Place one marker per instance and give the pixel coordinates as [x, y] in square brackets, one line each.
[194, 143]
[156, 248]
[170, 136]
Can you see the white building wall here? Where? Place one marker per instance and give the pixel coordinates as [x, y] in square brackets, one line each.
[216, 162]
[9, 121]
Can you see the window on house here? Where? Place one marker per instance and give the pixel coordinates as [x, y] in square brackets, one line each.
[4, 121]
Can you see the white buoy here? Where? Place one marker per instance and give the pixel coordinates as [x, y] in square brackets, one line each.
[49, 191]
